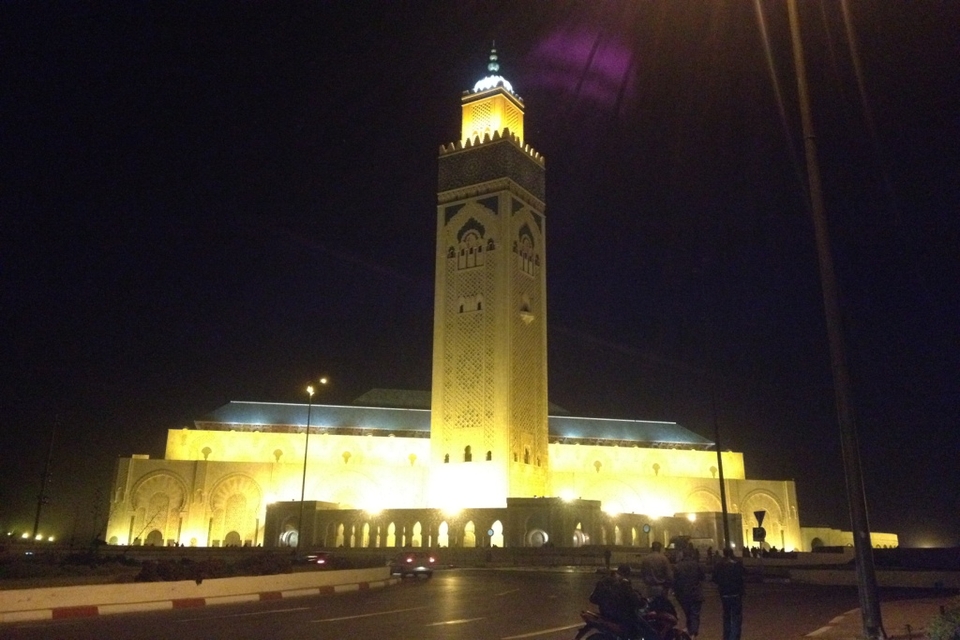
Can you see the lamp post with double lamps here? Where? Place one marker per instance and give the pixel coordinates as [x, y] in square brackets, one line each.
[306, 449]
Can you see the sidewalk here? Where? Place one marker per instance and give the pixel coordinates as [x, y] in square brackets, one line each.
[902, 620]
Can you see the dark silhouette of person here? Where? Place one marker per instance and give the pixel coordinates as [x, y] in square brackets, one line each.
[619, 602]
[728, 575]
[655, 572]
[688, 577]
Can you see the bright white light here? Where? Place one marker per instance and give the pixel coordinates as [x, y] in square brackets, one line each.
[50, 539]
[613, 509]
[25, 536]
[692, 517]
[39, 537]
[567, 495]
[492, 81]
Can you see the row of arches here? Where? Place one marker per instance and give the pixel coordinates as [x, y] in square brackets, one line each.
[369, 533]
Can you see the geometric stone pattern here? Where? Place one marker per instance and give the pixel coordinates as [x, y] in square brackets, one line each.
[490, 161]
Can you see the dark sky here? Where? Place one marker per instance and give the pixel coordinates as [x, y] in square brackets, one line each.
[215, 203]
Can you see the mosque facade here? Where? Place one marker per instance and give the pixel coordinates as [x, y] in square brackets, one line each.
[482, 458]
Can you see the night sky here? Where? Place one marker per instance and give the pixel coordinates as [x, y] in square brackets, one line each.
[209, 203]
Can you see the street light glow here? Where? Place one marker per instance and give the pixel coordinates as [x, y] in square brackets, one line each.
[306, 449]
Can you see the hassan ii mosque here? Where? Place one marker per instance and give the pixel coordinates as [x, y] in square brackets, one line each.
[482, 459]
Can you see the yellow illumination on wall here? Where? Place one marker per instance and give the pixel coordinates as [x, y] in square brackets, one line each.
[491, 112]
[612, 509]
[656, 507]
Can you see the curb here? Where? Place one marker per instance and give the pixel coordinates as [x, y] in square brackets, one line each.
[93, 610]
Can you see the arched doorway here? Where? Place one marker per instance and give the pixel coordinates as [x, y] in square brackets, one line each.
[470, 535]
[232, 539]
[496, 540]
[154, 539]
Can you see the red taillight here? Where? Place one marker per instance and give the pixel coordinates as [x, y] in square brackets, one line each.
[409, 559]
[431, 559]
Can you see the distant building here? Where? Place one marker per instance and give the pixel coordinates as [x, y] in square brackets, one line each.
[482, 459]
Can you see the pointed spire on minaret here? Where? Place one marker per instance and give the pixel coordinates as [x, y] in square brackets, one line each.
[493, 79]
[493, 66]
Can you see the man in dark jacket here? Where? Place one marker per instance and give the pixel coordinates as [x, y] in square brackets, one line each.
[688, 579]
[728, 574]
[655, 572]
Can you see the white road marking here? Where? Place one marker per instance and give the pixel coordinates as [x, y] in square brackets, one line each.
[818, 632]
[367, 615]
[460, 621]
[506, 592]
[544, 632]
[244, 615]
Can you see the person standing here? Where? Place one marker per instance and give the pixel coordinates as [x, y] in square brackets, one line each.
[728, 575]
[655, 572]
[688, 577]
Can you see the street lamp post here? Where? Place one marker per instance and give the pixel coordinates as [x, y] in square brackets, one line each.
[306, 449]
[850, 449]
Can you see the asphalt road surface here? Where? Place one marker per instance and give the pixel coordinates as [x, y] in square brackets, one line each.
[456, 604]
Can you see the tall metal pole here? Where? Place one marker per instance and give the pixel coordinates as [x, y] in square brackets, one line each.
[866, 575]
[42, 496]
[303, 483]
[723, 485]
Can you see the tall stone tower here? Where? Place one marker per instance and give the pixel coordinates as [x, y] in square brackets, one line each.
[488, 431]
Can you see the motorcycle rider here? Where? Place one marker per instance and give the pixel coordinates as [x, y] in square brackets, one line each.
[619, 602]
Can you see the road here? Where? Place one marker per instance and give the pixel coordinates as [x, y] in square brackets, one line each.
[455, 604]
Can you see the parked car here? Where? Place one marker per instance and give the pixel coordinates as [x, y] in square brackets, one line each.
[413, 563]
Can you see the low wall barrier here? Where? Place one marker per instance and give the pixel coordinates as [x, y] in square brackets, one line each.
[91, 600]
[903, 579]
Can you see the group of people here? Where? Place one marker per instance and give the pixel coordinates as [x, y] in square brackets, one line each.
[657, 577]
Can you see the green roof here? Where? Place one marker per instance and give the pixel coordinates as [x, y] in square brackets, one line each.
[415, 422]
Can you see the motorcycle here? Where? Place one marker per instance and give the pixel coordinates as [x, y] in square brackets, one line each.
[662, 626]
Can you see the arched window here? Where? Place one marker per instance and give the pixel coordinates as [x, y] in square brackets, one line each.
[489, 455]
[471, 250]
[446, 458]
[526, 254]
[467, 454]
[526, 456]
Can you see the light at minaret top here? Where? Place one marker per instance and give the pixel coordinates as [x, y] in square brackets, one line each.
[491, 107]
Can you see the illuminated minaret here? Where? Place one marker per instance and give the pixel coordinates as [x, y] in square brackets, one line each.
[488, 431]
